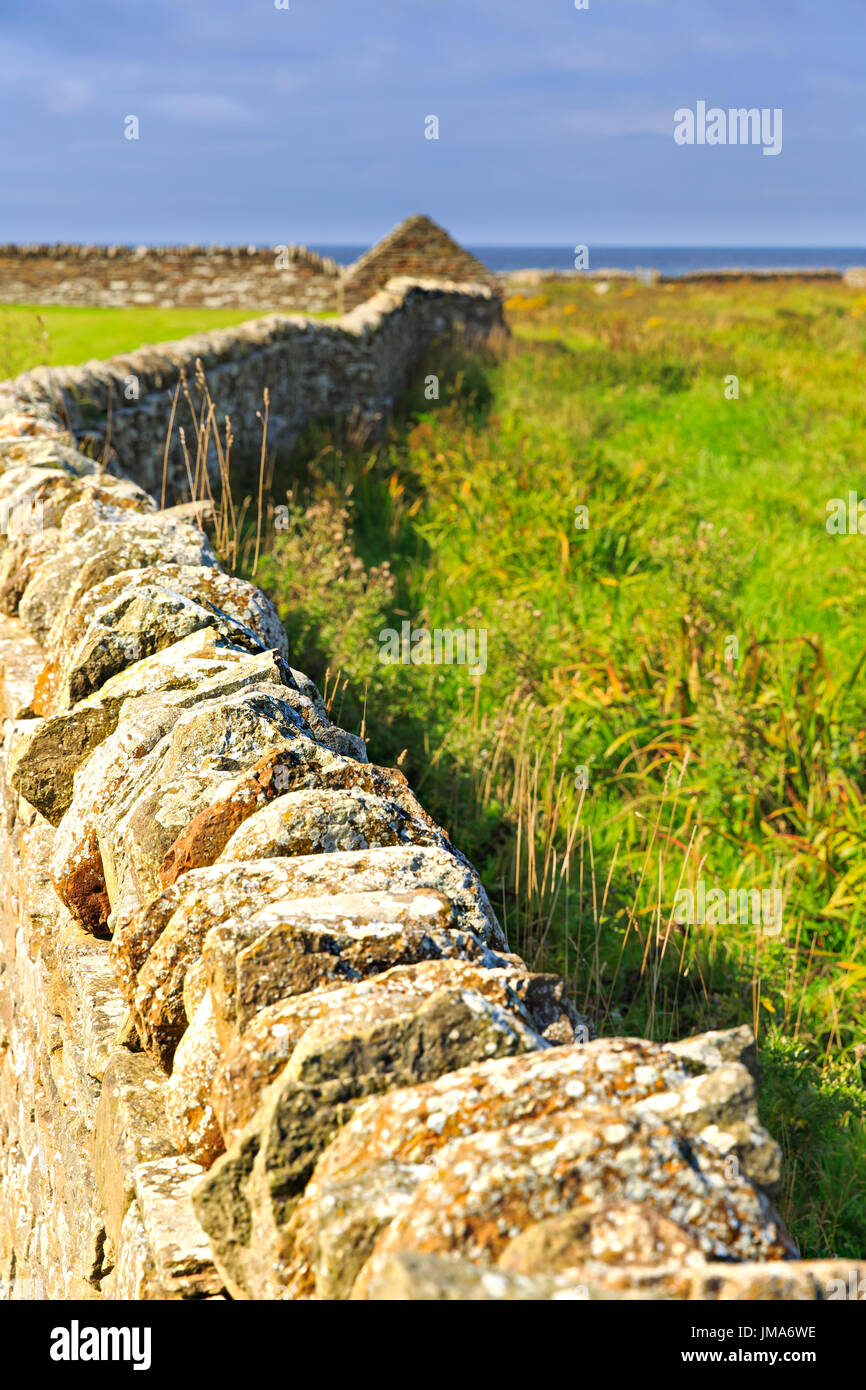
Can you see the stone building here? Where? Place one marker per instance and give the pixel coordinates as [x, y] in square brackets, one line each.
[418, 247]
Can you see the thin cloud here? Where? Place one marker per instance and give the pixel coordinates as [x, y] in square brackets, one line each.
[70, 95]
[204, 110]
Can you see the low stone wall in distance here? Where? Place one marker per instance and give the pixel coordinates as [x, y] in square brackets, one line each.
[289, 278]
[855, 276]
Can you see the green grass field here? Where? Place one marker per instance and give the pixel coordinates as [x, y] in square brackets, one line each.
[57, 335]
[694, 654]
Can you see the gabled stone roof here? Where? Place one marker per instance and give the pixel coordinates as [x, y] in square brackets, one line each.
[418, 247]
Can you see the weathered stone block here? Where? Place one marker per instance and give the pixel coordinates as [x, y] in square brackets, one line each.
[131, 1128]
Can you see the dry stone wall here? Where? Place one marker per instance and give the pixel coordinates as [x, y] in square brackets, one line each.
[168, 277]
[261, 1033]
[311, 368]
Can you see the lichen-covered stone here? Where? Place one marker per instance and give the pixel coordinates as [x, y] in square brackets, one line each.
[19, 559]
[34, 589]
[624, 1233]
[34, 500]
[413, 1277]
[53, 487]
[259, 1051]
[133, 1277]
[298, 766]
[194, 1125]
[495, 1183]
[323, 822]
[211, 1096]
[194, 989]
[706, 1051]
[181, 1253]
[400, 1121]
[204, 898]
[136, 625]
[411, 1127]
[203, 584]
[20, 661]
[112, 778]
[50, 751]
[296, 945]
[131, 1127]
[720, 1106]
[95, 540]
[205, 747]
[289, 948]
[271, 1161]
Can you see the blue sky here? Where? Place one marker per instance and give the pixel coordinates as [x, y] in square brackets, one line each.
[307, 124]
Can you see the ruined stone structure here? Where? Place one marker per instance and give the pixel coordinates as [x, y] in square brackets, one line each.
[261, 1034]
[280, 278]
[417, 247]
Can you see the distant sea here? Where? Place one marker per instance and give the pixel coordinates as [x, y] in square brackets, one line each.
[668, 260]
